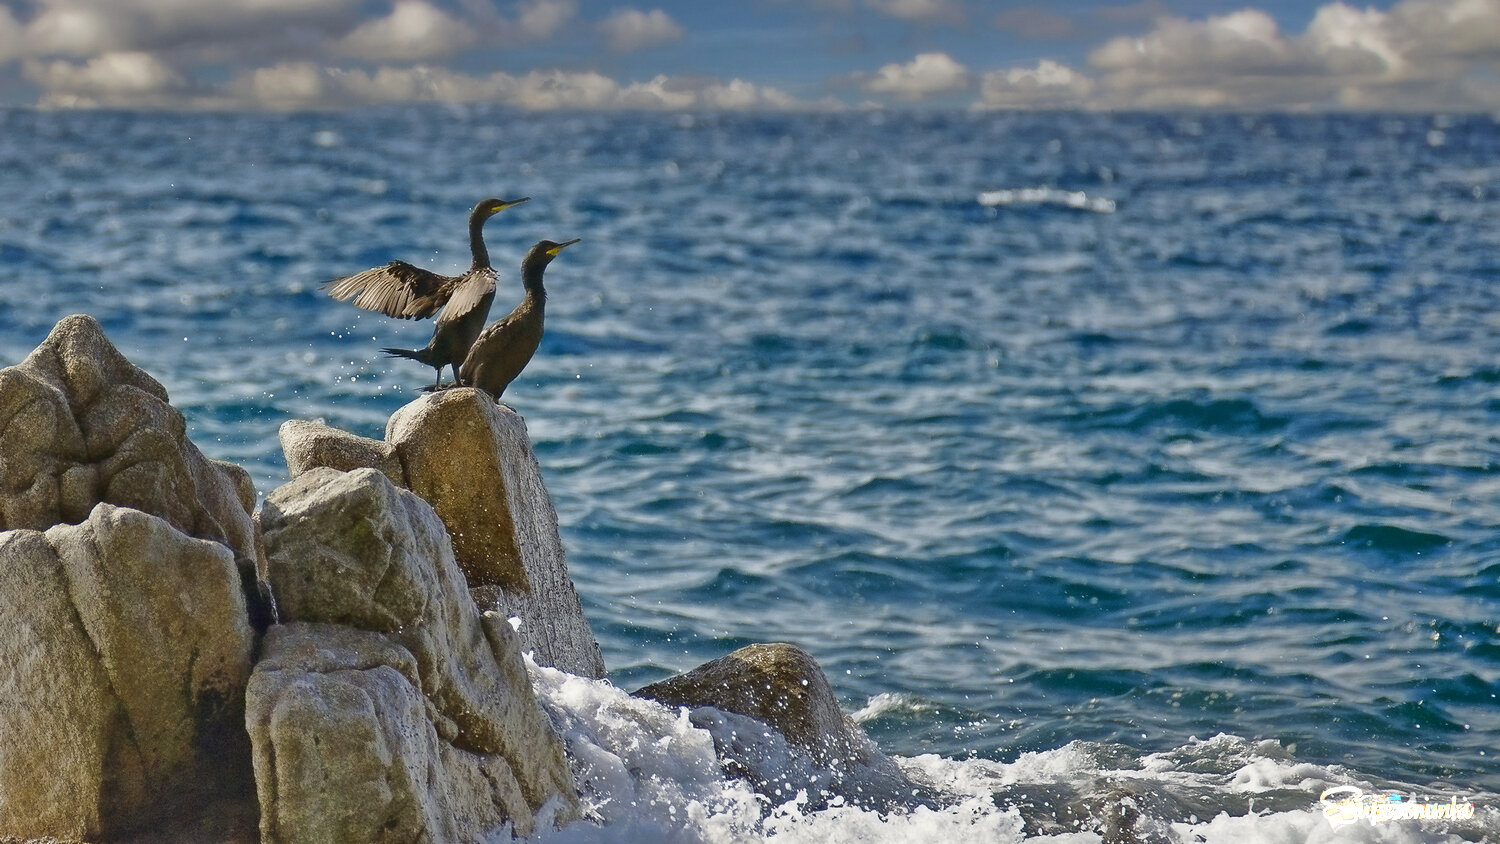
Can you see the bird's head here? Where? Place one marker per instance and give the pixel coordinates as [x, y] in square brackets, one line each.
[488, 208]
[544, 251]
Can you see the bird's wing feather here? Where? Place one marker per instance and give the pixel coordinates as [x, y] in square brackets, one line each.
[397, 289]
[469, 292]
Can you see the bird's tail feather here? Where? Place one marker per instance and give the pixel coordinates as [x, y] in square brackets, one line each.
[420, 355]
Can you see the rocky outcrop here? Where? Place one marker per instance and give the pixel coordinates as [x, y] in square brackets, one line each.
[124, 631]
[783, 687]
[472, 461]
[389, 699]
[126, 648]
[80, 425]
[389, 708]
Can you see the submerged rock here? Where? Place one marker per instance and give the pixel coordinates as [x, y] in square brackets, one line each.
[80, 425]
[395, 701]
[472, 461]
[126, 648]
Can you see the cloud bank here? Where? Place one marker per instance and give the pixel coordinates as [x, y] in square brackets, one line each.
[1422, 55]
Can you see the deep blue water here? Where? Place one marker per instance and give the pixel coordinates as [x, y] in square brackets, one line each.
[1226, 459]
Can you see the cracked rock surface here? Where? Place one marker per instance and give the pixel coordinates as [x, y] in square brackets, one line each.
[388, 677]
[80, 425]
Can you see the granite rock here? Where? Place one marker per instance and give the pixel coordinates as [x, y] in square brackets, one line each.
[80, 425]
[471, 459]
[126, 647]
[308, 445]
[346, 750]
[353, 551]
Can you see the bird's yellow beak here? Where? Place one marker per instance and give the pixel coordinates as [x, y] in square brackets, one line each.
[561, 246]
[506, 203]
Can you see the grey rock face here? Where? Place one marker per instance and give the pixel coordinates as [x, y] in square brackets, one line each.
[395, 665]
[80, 425]
[126, 648]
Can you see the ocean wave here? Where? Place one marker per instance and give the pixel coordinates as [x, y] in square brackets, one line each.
[649, 773]
[1047, 196]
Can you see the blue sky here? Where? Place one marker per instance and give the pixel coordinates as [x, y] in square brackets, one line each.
[756, 54]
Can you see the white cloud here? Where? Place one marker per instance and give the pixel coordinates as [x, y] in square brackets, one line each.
[631, 29]
[1353, 40]
[122, 80]
[1451, 28]
[1048, 85]
[415, 29]
[927, 75]
[1417, 54]
[539, 20]
[920, 11]
[70, 31]
[84, 28]
[674, 93]
[301, 85]
[1423, 54]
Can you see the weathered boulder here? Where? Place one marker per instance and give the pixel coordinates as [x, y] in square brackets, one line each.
[782, 687]
[126, 648]
[308, 445]
[396, 670]
[80, 425]
[472, 461]
[778, 684]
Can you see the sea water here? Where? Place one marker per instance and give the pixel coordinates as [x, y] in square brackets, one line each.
[1100, 460]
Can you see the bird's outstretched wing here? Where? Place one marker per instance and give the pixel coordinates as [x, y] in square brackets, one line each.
[470, 290]
[397, 289]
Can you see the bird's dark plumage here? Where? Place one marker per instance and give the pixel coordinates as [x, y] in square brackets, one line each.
[506, 346]
[461, 302]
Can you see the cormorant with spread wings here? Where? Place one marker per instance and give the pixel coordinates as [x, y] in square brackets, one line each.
[401, 290]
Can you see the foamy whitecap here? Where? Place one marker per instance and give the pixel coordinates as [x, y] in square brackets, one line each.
[1047, 196]
[649, 773]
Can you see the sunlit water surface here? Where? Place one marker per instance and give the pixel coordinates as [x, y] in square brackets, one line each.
[1078, 449]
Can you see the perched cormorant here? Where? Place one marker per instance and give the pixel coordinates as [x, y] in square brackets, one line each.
[506, 346]
[399, 289]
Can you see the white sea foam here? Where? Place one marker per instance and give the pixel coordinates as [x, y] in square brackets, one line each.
[649, 773]
[1047, 196]
[886, 702]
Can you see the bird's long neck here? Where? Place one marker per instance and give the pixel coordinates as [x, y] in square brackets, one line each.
[531, 277]
[476, 242]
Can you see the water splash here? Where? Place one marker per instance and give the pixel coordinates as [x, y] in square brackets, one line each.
[648, 773]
